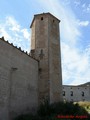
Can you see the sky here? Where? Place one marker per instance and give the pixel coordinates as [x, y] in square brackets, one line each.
[16, 17]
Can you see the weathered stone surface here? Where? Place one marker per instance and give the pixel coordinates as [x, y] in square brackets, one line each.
[18, 81]
[47, 38]
[77, 93]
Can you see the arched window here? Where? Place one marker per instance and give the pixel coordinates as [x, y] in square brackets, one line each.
[63, 93]
[82, 93]
[71, 93]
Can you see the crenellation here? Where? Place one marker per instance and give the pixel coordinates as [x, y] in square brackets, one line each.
[18, 48]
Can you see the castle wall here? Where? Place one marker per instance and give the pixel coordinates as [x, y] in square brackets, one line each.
[18, 82]
[80, 93]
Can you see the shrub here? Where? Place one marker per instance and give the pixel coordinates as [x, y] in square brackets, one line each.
[61, 108]
[49, 112]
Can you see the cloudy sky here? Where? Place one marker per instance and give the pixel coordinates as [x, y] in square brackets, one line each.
[15, 19]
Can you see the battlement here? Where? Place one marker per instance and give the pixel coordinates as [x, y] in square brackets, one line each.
[18, 48]
[18, 81]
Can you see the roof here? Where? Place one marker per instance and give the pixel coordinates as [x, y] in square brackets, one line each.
[43, 14]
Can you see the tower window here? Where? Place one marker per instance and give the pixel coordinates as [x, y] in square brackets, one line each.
[82, 93]
[53, 20]
[41, 18]
[41, 55]
[71, 93]
[40, 70]
[63, 93]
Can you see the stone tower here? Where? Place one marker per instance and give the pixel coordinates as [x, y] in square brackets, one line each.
[45, 46]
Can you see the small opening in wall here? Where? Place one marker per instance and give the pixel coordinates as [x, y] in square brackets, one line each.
[63, 93]
[53, 20]
[82, 93]
[40, 70]
[71, 93]
[41, 18]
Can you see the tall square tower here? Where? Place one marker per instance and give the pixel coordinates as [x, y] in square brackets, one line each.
[45, 46]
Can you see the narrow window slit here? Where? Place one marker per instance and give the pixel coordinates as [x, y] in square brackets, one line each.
[41, 18]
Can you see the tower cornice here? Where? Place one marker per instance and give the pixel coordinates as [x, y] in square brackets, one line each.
[41, 15]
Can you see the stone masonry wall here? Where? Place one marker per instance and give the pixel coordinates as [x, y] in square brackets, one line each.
[80, 93]
[18, 82]
[55, 60]
[45, 40]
